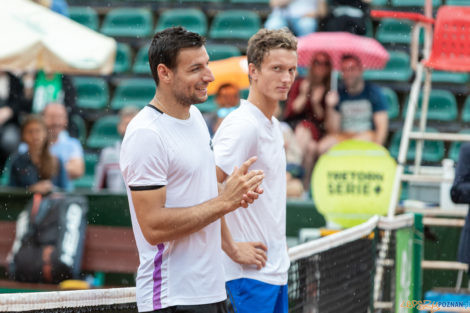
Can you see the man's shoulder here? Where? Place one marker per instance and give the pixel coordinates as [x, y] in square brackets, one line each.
[372, 88]
[242, 119]
[65, 138]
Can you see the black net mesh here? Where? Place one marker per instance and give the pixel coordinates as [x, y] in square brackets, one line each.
[335, 280]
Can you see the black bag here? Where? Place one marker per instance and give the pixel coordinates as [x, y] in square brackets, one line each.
[50, 237]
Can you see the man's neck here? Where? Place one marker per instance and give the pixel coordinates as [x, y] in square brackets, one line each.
[170, 106]
[266, 105]
[356, 89]
[53, 139]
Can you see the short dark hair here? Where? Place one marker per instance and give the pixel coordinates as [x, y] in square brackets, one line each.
[349, 56]
[166, 45]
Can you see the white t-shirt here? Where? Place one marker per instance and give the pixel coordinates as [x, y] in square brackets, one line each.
[244, 133]
[159, 150]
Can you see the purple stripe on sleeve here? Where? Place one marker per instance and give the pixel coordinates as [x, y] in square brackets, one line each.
[157, 278]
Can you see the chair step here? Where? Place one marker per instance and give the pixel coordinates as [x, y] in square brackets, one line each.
[443, 265]
[383, 305]
[435, 211]
[425, 178]
[448, 222]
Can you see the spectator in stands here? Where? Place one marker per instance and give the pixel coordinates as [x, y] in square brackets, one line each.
[294, 169]
[107, 174]
[306, 110]
[460, 193]
[63, 146]
[361, 112]
[227, 99]
[11, 99]
[298, 15]
[43, 88]
[36, 169]
[58, 6]
[347, 16]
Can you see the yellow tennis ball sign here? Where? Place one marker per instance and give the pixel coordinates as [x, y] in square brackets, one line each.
[353, 181]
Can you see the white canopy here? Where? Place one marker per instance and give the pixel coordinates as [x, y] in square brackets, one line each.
[33, 37]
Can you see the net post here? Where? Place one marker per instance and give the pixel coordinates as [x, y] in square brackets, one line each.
[372, 277]
[408, 274]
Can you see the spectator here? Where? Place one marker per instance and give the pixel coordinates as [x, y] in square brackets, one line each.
[227, 99]
[306, 110]
[42, 88]
[294, 169]
[107, 174]
[53, 87]
[361, 112]
[11, 97]
[63, 146]
[347, 16]
[460, 193]
[298, 15]
[36, 169]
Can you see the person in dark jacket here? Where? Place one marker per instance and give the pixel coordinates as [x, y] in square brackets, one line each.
[36, 169]
[11, 99]
[460, 193]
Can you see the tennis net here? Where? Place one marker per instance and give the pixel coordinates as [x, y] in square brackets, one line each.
[330, 274]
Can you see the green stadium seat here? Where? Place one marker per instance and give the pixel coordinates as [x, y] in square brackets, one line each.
[208, 106]
[251, 1]
[141, 63]
[455, 146]
[392, 101]
[450, 77]
[234, 24]
[79, 123]
[222, 51]
[458, 2]
[92, 92]
[442, 106]
[5, 176]
[133, 91]
[414, 3]
[393, 31]
[379, 3]
[87, 180]
[192, 19]
[86, 16]
[128, 22]
[433, 150]
[104, 132]
[185, 1]
[244, 93]
[397, 69]
[466, 110]
[123, 58]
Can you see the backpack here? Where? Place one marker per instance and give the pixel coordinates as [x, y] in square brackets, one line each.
[50, 237]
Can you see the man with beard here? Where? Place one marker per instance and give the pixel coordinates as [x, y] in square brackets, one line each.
[170, 175]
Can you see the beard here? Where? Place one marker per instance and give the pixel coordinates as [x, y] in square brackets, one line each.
[187, 99]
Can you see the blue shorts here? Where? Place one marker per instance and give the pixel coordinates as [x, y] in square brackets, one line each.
[253, 296]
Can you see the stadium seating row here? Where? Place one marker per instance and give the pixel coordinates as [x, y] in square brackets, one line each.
[139, 22]
[124, 53]
[93, 93]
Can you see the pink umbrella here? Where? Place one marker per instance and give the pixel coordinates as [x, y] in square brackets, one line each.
[372, 54]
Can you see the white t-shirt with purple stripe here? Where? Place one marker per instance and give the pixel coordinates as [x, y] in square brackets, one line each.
[159, 150]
